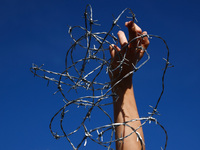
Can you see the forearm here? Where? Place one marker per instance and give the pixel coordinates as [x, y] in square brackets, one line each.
[125, 109]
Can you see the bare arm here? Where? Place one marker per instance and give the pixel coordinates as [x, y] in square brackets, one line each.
[125, 108]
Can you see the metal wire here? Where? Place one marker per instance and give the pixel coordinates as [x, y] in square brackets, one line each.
[87, 64]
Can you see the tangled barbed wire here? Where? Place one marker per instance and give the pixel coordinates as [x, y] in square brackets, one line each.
[84, 83]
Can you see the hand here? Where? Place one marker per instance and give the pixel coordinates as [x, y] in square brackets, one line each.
[131, 51]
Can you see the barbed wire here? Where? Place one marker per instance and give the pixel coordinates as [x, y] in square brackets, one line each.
[86, 68]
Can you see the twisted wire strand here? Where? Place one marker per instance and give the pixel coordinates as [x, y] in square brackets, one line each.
[77, 76]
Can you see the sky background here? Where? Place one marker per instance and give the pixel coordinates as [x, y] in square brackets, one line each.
[35, 31]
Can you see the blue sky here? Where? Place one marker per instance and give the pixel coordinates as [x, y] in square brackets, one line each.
[36, 32]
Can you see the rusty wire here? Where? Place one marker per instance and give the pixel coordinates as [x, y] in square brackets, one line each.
[91, 49]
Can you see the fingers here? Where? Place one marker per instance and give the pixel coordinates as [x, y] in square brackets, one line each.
[133, 30]
[145, 41]
[113, 50]
[122, 38]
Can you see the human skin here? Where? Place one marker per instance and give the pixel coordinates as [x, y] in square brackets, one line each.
[125, 108]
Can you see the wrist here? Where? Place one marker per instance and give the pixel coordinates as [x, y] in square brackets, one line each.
[120, 85]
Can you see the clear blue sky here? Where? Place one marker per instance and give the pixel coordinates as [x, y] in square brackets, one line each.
[35, 31]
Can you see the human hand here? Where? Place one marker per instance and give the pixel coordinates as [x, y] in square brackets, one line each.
[132, 50]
